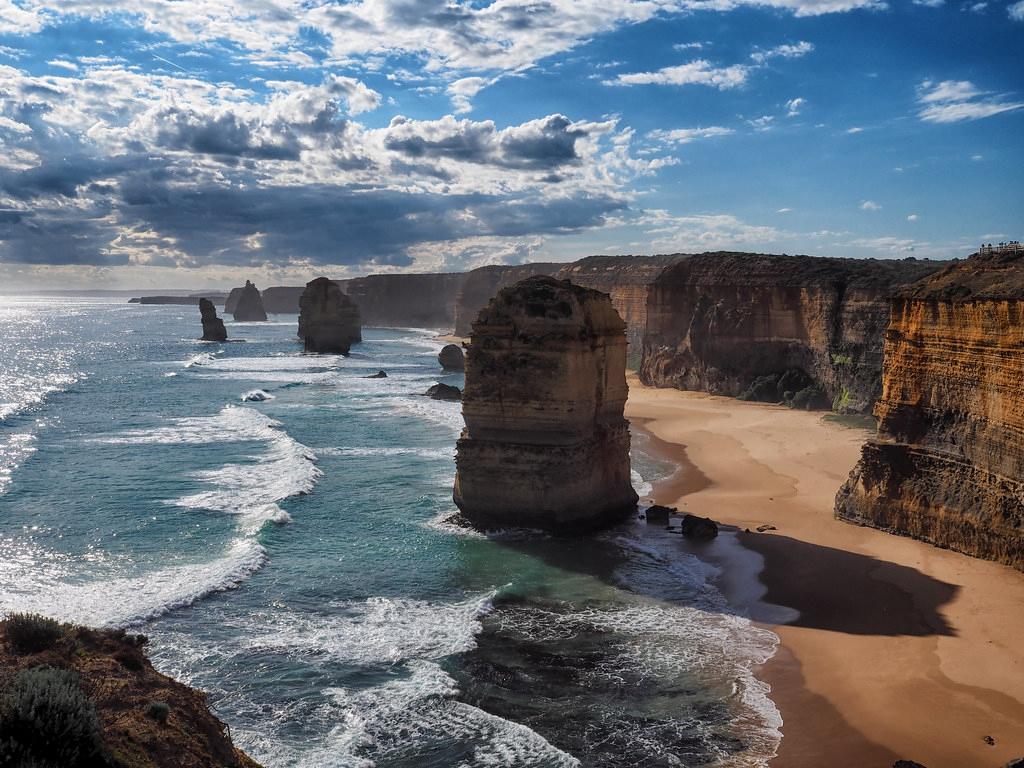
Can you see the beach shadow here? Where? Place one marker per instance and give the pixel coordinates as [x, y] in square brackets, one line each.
[846, 592]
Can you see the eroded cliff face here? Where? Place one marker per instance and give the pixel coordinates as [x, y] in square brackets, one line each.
[545, 443]
[947, 465]
[627, 279]
[282, 299]
[328, 319]
[481, 285]
[409, 300]
[802, 329]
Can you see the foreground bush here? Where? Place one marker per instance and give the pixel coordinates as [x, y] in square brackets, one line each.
[47, 721]
[32, 632]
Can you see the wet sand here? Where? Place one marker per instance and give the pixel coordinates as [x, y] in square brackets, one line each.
[891, 648]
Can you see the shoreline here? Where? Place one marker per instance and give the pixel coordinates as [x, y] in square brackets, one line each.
[890, 648]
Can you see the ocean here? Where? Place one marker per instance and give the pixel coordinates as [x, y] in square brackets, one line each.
[275, 523]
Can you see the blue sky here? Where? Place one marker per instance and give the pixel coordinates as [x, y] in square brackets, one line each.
[193, 143]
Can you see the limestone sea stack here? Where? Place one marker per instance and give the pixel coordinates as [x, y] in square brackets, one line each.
[947, 465]
[451, 358]
[545, 443]
[328, 319]
[249, 307]
[213, 326]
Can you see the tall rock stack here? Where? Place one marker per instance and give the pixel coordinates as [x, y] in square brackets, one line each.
[213, 326]
[545, 443]
[328, 319]
[947, 465]
[249, 307]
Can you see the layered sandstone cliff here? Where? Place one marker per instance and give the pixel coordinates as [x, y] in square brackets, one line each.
[627, 279]
[328, 319]
[249, 306]
[545, 443]
[482, 284]
[282, 299]
[800, 329]
[409, 300]
[213, 326]
[947, 465]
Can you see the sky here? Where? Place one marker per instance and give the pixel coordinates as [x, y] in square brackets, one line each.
[197, 143]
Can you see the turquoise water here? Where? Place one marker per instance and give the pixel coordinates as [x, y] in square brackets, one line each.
[290, 556]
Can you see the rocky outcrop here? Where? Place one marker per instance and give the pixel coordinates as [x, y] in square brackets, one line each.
[249, 307]
[231, 302]
[406, 300]
[482, 284]
[451, 358]
[796, 328]
[328, 319]
[213, 326]
[442, 391]
[545, 443]
[77, 697]
[627, 279]
[947, 465]
[282, 299]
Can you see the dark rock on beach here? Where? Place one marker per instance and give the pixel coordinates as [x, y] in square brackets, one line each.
[329, 321]
[694, 527]
[213, 326]
[658, 514]
[907, 764]
[444, 392]
[451, 358]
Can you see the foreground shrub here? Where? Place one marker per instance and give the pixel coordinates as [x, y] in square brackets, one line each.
[32, 632]
[47, 720]
[159, 711]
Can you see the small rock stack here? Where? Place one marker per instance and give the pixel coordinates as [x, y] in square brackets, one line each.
[328, 319]
[213, 326]
[545, 444]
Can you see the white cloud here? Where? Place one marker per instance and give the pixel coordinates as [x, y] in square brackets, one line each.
[795, 106]
[870, 205]
[690, 46]
[1016, 11]
[930, 3]
[855, 129]
[762, 123]
[977, 158]
[912, 217]
[699, 72]
[463, 90]
[784, 210]
[688, 135]
[15, 20]
[952, 101]
[62, 64]
[783, 52]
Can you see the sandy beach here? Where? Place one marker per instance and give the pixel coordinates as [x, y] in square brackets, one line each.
[890, 648]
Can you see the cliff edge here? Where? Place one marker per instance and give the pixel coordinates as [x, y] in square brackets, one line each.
[947, 465]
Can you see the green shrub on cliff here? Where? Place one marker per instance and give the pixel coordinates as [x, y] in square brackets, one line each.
[47, 721]
[32, 632]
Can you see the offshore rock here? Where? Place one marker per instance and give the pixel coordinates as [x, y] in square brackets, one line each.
[545, 443]
[444, 392]
[802, 330]
[213, 326]
[947, 465]
[249, 307]
[328, 319]
[452, 358]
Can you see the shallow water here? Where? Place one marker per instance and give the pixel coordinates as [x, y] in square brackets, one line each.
[290, 556]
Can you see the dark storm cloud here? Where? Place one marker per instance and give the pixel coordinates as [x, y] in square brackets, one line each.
[63, 176]
[226, 135]
[56, 238]
[539, 144]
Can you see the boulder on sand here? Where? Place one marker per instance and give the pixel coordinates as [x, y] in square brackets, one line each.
[213, 326]
[694, 527]
[451, 358]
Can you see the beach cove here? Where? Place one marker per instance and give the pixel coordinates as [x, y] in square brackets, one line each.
[890, 648]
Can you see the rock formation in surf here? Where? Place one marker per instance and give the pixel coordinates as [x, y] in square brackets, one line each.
[796, 329]
[451, 358]
[545, 443]
[627, 279]
[947, 465]
[75, 696]
[249, 307]
[482, 284]
[442, 391]
[213, 326]
[328, 319]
